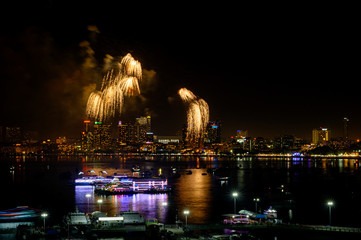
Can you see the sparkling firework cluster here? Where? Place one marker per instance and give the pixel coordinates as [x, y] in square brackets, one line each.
[124, 81]
[197, 116]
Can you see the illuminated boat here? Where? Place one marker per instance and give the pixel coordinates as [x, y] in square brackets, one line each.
[88, 180]
[235, 219]
[134, 185]
[136, 168]
[94, 179]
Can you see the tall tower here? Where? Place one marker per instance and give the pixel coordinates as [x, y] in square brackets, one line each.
[345, 127]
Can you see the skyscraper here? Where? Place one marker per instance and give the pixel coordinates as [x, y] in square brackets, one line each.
[102, 138]
[213, 133]
[123, 130]
[321, 135]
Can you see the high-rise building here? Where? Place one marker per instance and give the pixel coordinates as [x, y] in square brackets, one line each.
[136, 133]
[321, 135]
[241, 134]
[213, 133]
[123, 130]
[102, 137]
[86, 137]
[286, 142]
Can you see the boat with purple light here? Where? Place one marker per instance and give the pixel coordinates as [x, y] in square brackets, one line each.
[126, 186]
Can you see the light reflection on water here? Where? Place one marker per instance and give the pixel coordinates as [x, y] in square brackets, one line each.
[205, 197]
[194, 194]
[149, 205]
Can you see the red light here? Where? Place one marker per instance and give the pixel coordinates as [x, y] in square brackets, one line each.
[86, 121]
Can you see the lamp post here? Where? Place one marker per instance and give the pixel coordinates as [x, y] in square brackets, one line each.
[44, 215]
[186, 212]
[329, 204]
[235, 195]
[100, 201]
[256, 200]
[88, 195]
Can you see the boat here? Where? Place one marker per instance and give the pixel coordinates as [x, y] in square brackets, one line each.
[222, 178]
[134, 185]
[135, 168]
[235, 219]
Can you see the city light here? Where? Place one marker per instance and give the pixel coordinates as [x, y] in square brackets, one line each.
[44, 216]
[186, 213]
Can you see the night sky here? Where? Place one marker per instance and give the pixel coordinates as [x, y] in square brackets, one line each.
[269, 71]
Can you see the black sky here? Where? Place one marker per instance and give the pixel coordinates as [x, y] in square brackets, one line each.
[272, 70]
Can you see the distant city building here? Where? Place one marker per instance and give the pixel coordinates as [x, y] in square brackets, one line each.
[167, 139]
[86, 137]
[102, 136]
[241, 134]
[149, 138]
[137, 133]
[123, 132]
[321, 135]
[213, 133]
[285, 142]
[60, 140]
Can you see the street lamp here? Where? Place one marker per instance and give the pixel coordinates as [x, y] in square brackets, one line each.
[186, 212]
[235, 195]
[44, 215]
[329, 204]
[88, 195]
[100, 201]
[256, 200]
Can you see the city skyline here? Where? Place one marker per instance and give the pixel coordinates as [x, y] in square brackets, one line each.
[272, 81]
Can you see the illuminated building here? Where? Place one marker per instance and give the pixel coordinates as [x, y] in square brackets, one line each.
[149, 137]
[213, 133]
[102, 136]
[242, 134]
[167, 139]
[285, 142]
[123, 130]
[86, 137]
[143, 125]
[321, 135]
[136, 133]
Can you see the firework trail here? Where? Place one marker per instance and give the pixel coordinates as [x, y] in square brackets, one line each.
[117, 83]
[197, 116]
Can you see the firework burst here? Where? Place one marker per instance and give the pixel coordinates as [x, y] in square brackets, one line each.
[197, 116]
[117, 83]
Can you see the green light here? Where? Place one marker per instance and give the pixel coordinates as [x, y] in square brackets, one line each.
[97, 123]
